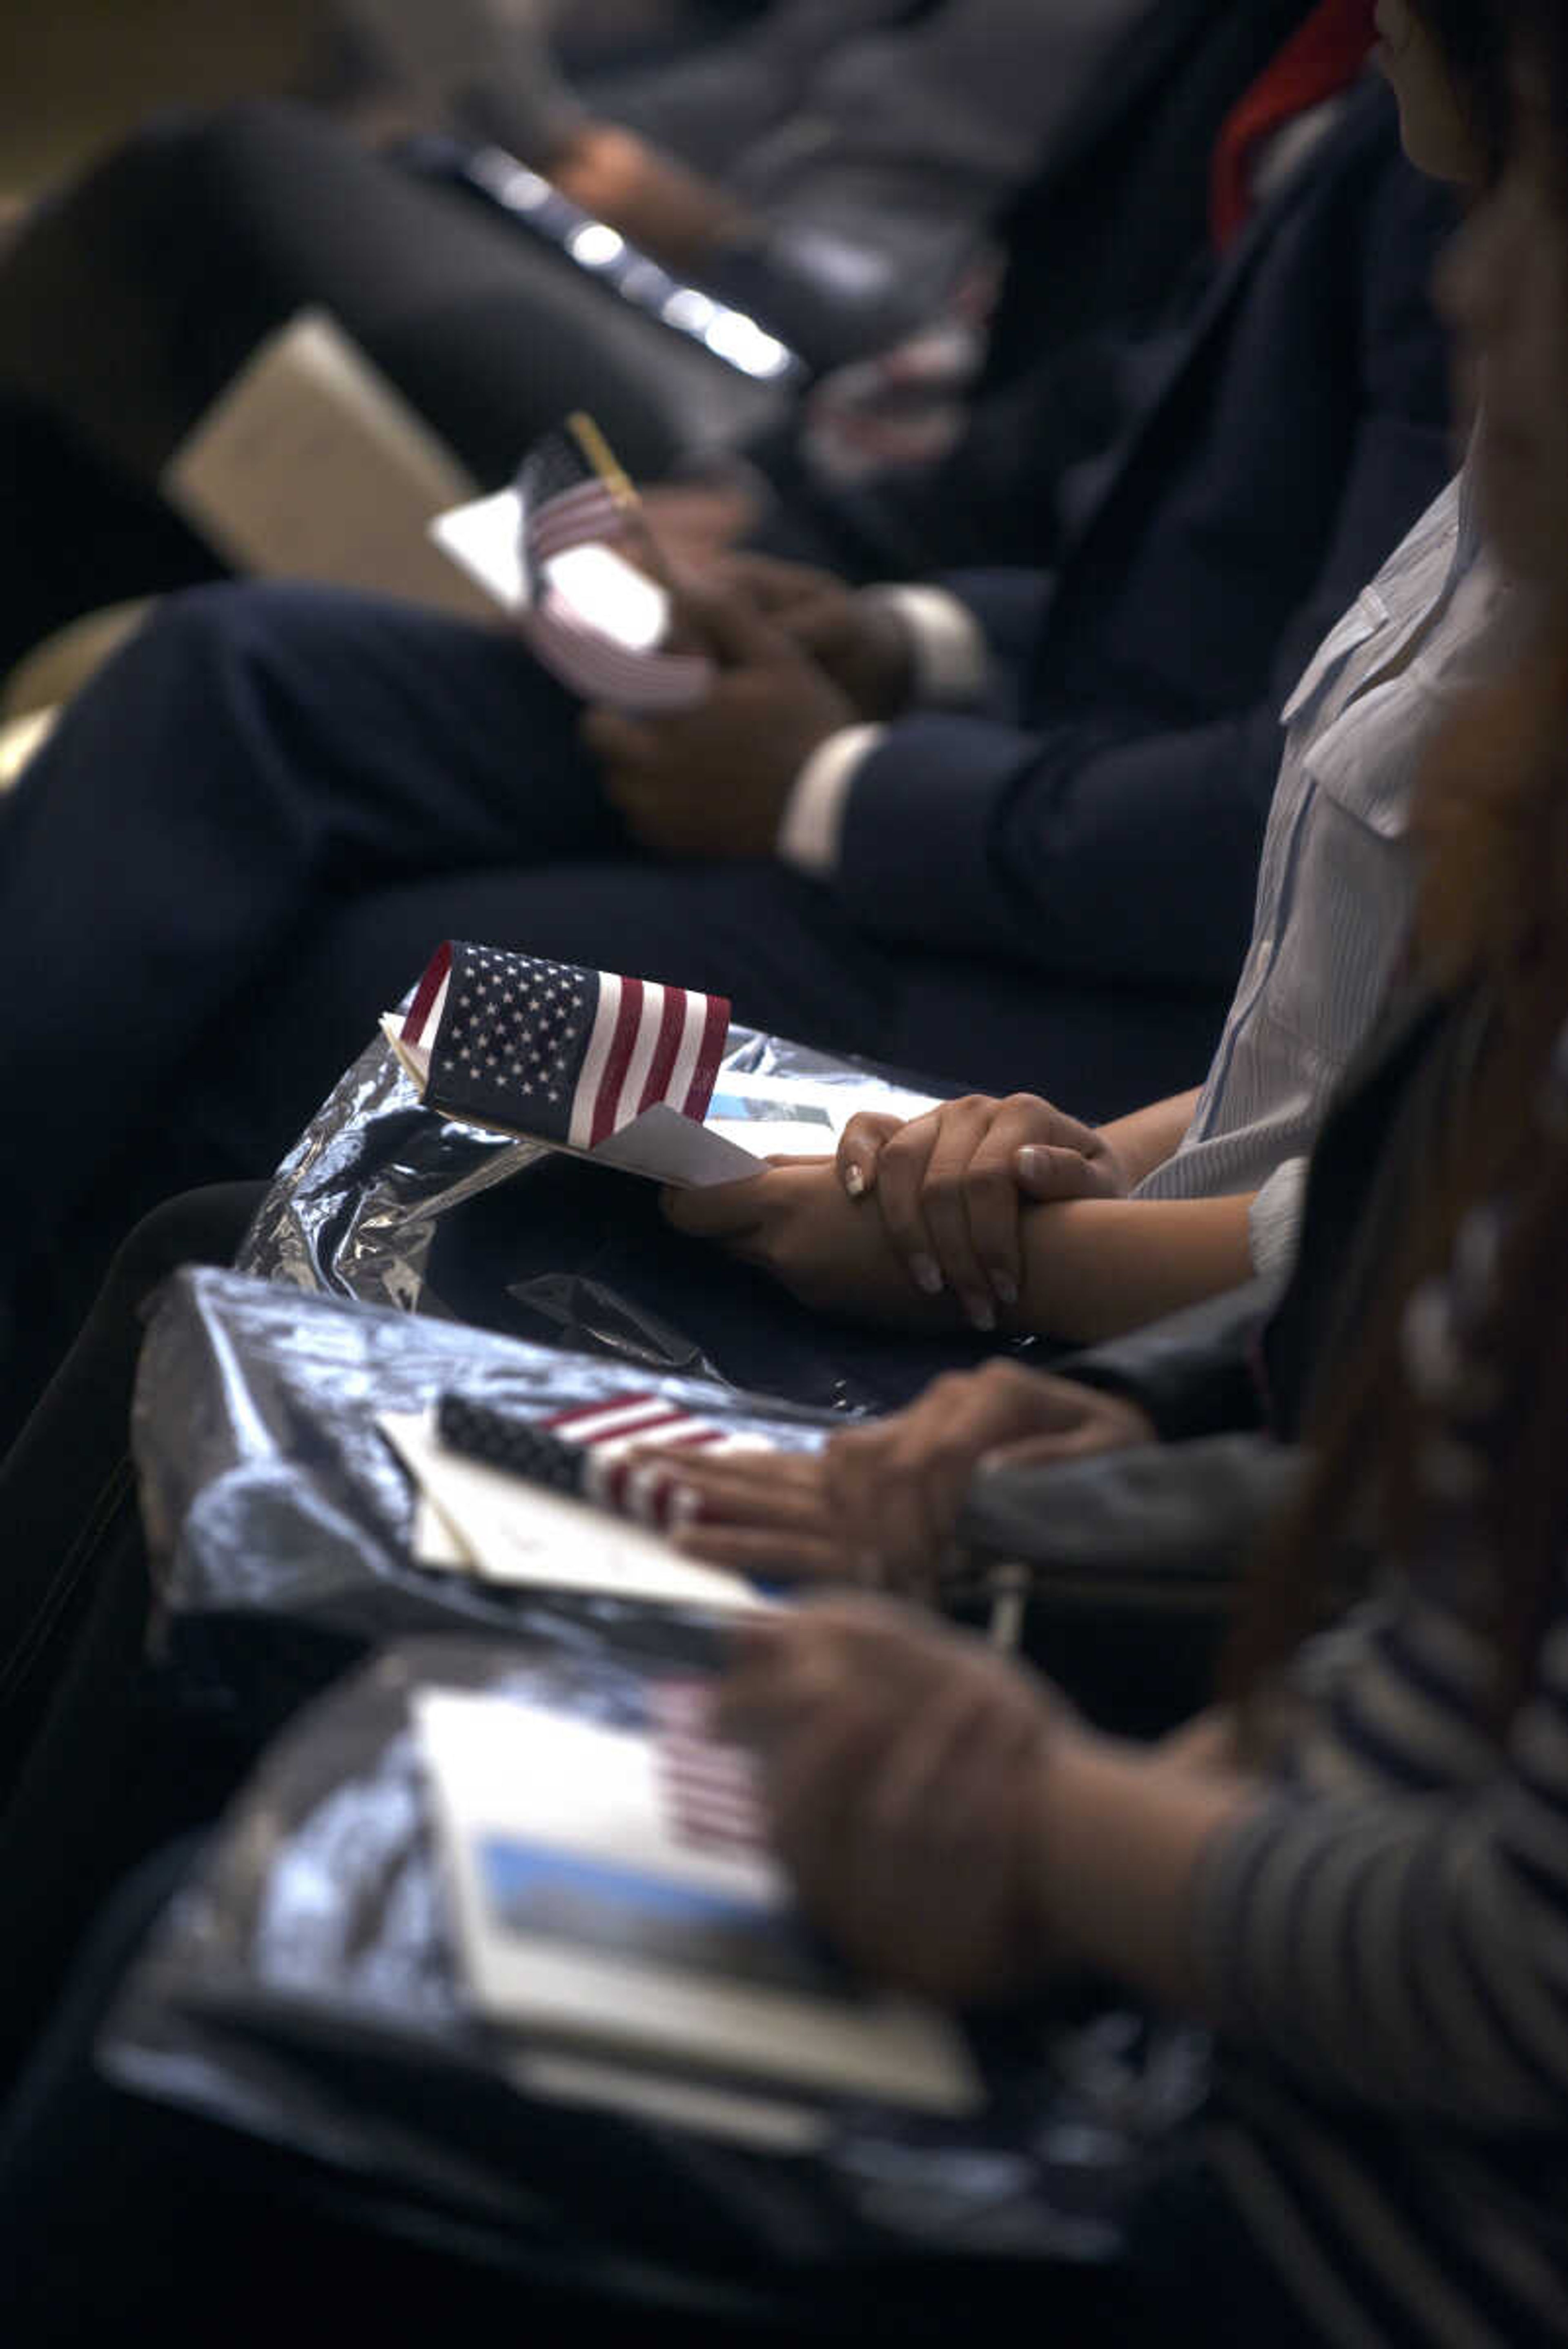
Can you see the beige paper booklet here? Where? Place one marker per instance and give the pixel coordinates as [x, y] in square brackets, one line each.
[612, 1894]
[505, 1529]
[312, 465]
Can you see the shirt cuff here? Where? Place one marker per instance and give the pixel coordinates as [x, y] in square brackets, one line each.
[1274, 1218]
[949, 653]
[812, 825]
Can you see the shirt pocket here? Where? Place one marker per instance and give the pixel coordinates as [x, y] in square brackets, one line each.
[1343, 920]
[1367, 758]
[1358, 626]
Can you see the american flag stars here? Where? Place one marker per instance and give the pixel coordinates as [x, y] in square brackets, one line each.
[570, 1055]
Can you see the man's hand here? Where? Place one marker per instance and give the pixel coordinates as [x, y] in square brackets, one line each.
[903, 1768]
[862, 644]
[657, 202]
[714, 781]
[694, 523]
[950, 1188]
[797, 1222]
[879, 1504]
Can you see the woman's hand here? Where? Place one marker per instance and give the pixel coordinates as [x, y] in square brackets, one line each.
[902, 1769]
[951, 1187]
[674, 212]
[797, 1222]
[879, 1504]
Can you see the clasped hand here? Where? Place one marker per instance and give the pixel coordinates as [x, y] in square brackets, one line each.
[798, 658]
[940, 1195]
[916, 1222]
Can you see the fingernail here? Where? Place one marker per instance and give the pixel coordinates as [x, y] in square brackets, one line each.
[685, 1506]
[855, 1181]
[981, 1311]
[1006, 1287]
[927, 1274]
[1032, 1164]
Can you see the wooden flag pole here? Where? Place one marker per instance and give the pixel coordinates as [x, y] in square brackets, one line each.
[597, 450]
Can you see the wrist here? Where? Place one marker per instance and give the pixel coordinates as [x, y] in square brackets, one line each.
[1067, 1782]
[1122, 1835]
[948, 662]
[1118, 1174]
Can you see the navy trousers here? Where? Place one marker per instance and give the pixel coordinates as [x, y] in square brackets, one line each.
[252, 830]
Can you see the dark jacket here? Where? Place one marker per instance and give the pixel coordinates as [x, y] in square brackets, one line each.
[1108, 240]
[1295, 430]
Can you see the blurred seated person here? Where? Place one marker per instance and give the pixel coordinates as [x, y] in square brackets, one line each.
[855, 146]
[187, 247]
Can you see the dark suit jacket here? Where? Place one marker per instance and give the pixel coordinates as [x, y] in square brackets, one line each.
[1106, 830]
[1109, 236]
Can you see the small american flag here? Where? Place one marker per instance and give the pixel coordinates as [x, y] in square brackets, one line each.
[572, 492]
[586, 1451]
[711, 1790]
[555, 1052]
[566, 500]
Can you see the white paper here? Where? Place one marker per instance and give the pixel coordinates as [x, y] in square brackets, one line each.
[669, 1148]
[584, 1917]
[484, 539]
[437, 1544]
[524, 1533]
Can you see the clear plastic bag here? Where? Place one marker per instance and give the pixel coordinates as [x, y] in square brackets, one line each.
[278, 1519]
[384, 1201]
[304, 1988]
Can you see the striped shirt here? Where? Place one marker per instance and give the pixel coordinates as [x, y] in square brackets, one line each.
[1386, 1939]
[1336, 882]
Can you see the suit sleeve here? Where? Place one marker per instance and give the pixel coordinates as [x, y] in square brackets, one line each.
[1193, 1371]
[1110, 846]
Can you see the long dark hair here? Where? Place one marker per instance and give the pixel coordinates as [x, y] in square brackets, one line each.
[1474, 36]
[1485, 1241]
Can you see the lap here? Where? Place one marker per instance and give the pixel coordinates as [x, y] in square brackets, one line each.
[202, 236]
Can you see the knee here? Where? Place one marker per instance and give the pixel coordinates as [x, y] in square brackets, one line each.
[230, 626]
[205, 1227]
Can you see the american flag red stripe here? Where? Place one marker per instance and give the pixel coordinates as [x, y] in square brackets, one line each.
[630, 1015]
[618, 1079]
[667, 1045]
[711, 1789]
[585, 516]
[546, 1048]
[425, 994]
[569, 502]
[710, 1056]
[610, 1433]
